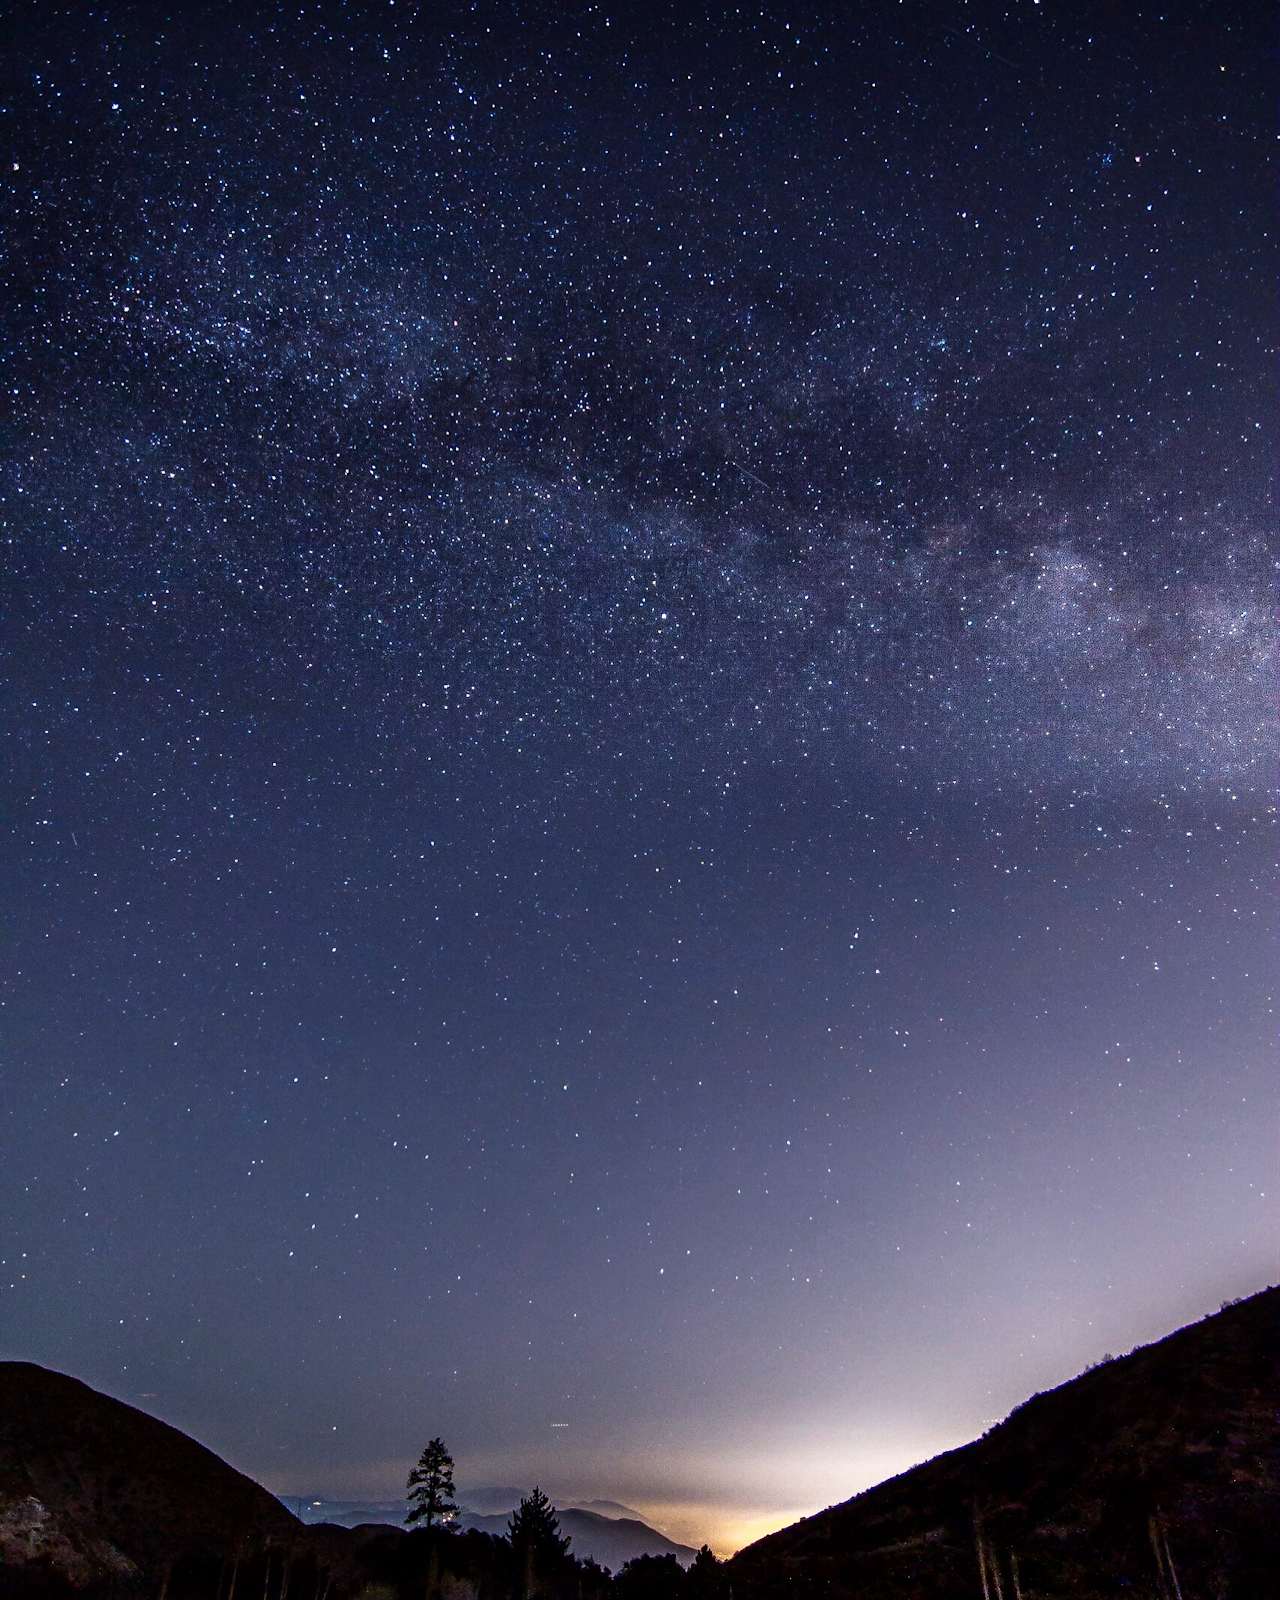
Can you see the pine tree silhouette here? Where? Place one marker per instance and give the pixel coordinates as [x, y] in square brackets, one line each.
[540, 1548]
[431, 1488]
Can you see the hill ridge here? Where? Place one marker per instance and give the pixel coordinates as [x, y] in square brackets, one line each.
[1180, 1432]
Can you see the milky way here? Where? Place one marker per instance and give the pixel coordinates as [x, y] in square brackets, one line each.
[639, 645]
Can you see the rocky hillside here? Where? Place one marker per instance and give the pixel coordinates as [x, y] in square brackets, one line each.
[1153, 1475]
[92, 1489]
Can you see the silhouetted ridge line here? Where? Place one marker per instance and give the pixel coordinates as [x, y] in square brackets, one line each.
[1148, 1473]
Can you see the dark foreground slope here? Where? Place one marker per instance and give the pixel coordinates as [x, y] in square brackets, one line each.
[92, 1489]
[1153, 1475]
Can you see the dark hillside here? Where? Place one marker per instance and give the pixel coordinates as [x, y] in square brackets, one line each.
[95, 1487]
[1156, 1471]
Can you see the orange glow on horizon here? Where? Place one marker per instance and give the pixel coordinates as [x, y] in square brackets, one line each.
[726, 1528]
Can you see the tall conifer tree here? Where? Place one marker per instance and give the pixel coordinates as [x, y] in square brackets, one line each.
[431, 1501]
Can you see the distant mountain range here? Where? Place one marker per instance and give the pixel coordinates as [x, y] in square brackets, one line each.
[608, 1508]
[605, 1530]
[1155, 1476]
[610, 1540]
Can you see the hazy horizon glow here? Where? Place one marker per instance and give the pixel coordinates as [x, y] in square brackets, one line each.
[729, 1495]
[641, 704]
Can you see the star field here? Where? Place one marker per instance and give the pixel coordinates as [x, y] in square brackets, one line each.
[641, 726]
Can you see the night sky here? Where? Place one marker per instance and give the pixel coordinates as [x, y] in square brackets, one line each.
[641, 726]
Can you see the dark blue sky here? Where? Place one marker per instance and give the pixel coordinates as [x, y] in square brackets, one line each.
[641, 727]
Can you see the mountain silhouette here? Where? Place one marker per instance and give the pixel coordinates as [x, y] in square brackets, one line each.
[1155, 1474]
[608, 1508]
[92, 1488]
